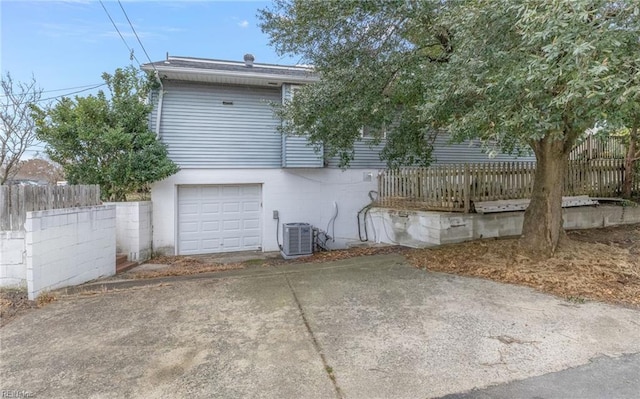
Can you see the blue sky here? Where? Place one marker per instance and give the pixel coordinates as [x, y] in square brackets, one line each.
[66, 44]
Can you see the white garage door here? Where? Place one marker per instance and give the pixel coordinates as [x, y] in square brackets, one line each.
[219, 218]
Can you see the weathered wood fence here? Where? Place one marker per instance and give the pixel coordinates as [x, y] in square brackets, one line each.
[593, 147]
[16, 201]
[456, 187]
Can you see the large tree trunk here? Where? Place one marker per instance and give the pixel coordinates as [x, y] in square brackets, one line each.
[630, 162]
[542, 229]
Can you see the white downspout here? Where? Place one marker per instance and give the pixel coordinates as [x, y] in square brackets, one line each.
[159, 113]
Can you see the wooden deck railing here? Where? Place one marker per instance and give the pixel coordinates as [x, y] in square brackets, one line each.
[456, 187]
[593, 147]
[16, 201]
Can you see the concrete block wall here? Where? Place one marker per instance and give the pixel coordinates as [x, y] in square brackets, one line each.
[13, 266]
[66, 247]
[420, 229]
[134, 229]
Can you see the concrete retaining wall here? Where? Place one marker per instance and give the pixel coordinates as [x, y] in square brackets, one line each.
[66, 247]
[13, 266]
[422, 229]
[133, 229]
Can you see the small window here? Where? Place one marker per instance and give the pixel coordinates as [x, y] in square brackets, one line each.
[293, 90]
[371, 133]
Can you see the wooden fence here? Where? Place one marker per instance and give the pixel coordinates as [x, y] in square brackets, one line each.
[593, 147]
[16, 201]
[456, 187]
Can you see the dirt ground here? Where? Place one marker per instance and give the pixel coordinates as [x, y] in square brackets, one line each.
[596, 264]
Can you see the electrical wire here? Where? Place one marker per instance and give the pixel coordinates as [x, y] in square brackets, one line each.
[137, 37]
[131, 54]
[54, 90]
[63, 95]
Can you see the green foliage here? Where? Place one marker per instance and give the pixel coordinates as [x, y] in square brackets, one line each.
[513, 72]
[106, 140]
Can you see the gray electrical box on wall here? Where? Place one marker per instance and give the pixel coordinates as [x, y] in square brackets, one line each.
[298, 239]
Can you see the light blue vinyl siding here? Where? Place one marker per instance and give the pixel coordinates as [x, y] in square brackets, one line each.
[296, 150]
[468, 152]
[443, 153]
[365, 156]
[216, 126]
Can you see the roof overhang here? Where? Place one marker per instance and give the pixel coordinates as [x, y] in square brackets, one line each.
[228, 77]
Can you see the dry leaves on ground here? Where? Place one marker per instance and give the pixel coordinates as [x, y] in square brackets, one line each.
[598, 264]
[330, 256]
[183, 266]
[13, 301]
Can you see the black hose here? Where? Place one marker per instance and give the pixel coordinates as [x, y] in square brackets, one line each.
[365, 209]
[278, 232]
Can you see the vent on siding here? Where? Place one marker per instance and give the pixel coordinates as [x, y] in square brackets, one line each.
[298, 239]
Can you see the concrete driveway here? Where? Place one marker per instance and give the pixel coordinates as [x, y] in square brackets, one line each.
[369, 327]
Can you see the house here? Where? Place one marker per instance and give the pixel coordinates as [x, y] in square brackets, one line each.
[240, 180]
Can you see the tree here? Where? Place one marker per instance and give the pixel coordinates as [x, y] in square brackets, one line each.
[631, 158]
[18, 127]
[525, 74]
[40, 170]
[106, 140]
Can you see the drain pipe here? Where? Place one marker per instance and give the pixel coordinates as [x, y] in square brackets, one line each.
[159, 112]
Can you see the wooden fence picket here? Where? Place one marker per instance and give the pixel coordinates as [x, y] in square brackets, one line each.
[16, 201]
[456, 186]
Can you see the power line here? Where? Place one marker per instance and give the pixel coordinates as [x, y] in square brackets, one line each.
[137, 37]
[66, 94]
[54, 90]
[120, 34]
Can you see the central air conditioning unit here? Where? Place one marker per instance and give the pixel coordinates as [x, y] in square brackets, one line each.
[298, 240]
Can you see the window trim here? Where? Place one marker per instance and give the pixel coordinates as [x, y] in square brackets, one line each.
[371, 137]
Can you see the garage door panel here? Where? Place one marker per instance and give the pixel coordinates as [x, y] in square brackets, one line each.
[189, 245]
[188, 209]
[250, 224]
[189, 227]
[251, 241]
[209, 192]
[211, 245]
[248, 191]
[232, 243]
[231, 191]
[228, 207]
[231, 225]
[210, 208]
[190, 192]
[250, 206]
[219, 218]
[211, 226]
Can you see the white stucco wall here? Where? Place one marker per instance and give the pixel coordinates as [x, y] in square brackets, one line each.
[69, 246]
[299, 195]
[13, 267]
[133, 229]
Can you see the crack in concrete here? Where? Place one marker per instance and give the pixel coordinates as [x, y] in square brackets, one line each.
[327, 368]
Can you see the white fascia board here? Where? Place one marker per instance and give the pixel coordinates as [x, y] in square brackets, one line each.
[195, 72]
